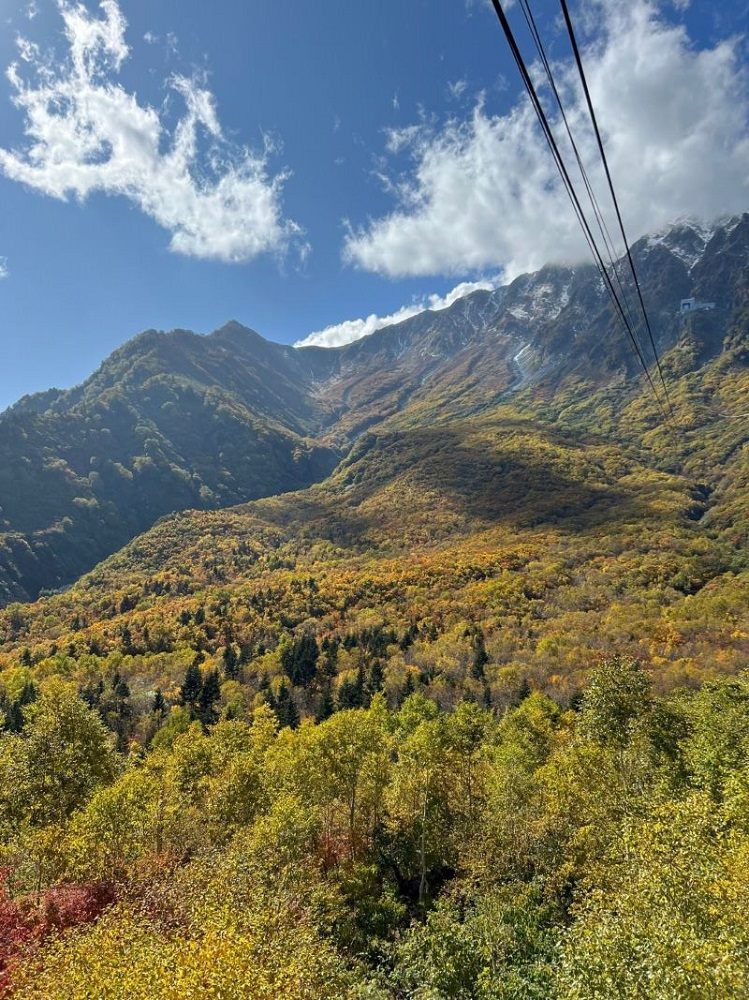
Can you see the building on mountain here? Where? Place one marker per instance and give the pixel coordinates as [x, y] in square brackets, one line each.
[694, 305]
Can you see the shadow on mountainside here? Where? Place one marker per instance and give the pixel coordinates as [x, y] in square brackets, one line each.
[394, 495]
[430, 484]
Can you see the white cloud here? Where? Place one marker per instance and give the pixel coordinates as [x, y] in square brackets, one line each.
[354, 329]
[3, 268]
[484, 193]
[398, 139]
[86, 133]
[472, 5]
[457, 88]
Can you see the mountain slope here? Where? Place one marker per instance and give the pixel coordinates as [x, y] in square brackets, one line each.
[560, 529]
[169, 421]
[517, 611]
[175, 421]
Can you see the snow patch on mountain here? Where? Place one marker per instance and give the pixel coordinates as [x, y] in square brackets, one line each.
[687, 239]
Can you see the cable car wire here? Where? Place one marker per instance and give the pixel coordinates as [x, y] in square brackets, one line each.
[564, 173]
[599, 216]
[604, 159]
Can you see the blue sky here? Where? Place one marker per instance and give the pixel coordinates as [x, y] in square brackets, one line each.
[312, 163]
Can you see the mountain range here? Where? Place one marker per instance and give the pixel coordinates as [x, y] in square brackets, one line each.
[176, 421]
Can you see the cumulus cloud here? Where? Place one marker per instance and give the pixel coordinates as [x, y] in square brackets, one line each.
[354, 329]
[3, 267]
[484, 193]
[86, 133]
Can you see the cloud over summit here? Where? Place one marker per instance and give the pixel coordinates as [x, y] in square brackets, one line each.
[483, 192]
[354, 329]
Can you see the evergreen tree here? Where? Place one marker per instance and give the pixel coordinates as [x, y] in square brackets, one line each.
[376, 678]
[480, 657]
[299, 659]
[12, 717]
[523, 691]
[351, 693]
[408, 688]
[408, 637]
[210, 693]
[92, 693]
[362, 693]
[230, 661]
[11, 709]
[285, 708]
[330, 659]
[158, 706]
[325, 706]
[127, 642]
[487, 696]
[127, 604]
[191, 687]
[116, 710]
[121, 689]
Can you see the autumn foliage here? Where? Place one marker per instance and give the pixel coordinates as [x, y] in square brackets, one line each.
[26, 921]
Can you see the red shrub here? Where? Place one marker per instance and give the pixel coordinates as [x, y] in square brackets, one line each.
[27, 920]
[68, 905]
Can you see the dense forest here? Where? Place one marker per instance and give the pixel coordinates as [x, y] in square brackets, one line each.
[467, 718]
[597, 851]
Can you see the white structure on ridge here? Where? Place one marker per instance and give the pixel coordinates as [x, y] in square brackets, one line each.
[692, 305]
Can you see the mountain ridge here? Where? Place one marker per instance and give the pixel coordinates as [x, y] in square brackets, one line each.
[678, 239]
[175, 420]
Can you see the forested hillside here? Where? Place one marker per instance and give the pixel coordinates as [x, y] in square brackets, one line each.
[467, 717]
[169, 421]
[174, 421]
